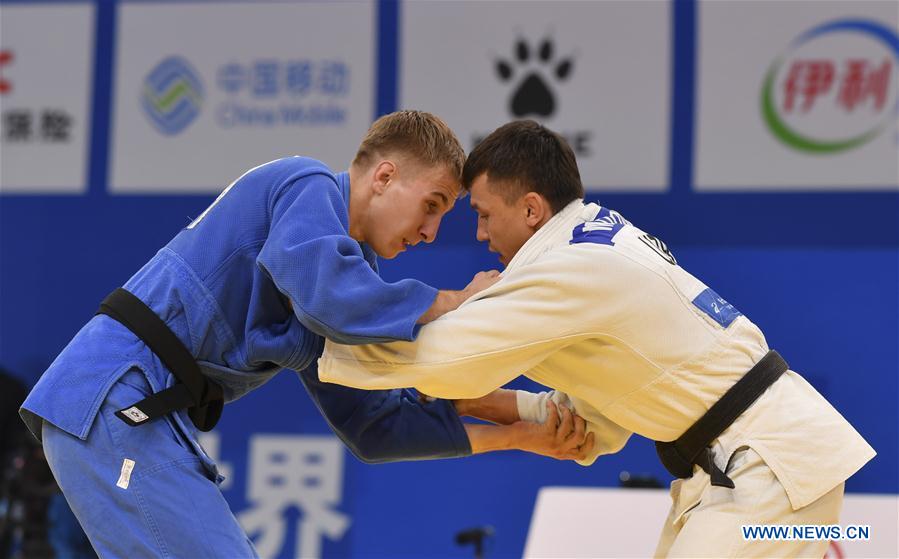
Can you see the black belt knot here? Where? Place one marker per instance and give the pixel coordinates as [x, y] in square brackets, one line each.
[692, 448]
[202, 397]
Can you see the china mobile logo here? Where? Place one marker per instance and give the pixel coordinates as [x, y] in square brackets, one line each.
[172, 95]
[835, 87]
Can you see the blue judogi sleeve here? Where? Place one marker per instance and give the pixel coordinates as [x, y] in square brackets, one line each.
[334, 291]
[337, 293]
[388, 425]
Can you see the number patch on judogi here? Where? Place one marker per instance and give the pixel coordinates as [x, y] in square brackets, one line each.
[717, 308]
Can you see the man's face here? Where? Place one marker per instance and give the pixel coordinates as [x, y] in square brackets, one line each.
[409, 207]
[503, 226]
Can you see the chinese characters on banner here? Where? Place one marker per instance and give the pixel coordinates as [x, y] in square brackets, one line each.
[303, 472]
[46, 81]
[859, 83]
[297, 77]
[27, 125]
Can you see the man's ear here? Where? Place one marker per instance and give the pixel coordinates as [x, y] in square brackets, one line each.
[384, 171]
[537, 210]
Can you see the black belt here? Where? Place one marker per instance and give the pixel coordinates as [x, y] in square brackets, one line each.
[202, 397]
[692, 447]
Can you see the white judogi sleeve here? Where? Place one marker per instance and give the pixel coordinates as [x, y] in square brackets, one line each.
[498, 335]
[609, 437]
[492, 338]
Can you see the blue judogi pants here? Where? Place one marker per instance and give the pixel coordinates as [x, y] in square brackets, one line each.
[172, 505]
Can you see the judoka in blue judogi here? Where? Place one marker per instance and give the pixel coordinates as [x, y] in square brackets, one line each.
[251, 287]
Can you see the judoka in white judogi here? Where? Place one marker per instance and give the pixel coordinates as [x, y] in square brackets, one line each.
[598, 310]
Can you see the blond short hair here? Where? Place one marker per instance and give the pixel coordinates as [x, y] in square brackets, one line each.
[421, 135]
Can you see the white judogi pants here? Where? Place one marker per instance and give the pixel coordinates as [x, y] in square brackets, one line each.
[705, 521]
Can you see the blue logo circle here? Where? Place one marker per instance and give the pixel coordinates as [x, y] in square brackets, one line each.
[172, 95]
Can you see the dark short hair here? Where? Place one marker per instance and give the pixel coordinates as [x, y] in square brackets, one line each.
[527, 157]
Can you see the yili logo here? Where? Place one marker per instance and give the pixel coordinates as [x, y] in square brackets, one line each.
[172, 95]
[835, 87]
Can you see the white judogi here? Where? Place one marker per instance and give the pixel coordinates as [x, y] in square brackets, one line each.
[638, 345]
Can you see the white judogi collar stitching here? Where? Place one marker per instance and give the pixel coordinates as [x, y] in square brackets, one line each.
[555, 232]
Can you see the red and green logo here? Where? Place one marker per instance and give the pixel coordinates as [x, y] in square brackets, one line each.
[835, 88]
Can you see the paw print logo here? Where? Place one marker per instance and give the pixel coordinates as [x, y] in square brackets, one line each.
[532, 94]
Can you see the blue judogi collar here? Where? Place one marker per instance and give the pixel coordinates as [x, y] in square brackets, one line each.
[343, 185]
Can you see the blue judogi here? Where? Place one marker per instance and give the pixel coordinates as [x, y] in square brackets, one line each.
[250, 288]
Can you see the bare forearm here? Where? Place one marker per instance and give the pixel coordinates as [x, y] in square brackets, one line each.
[445, 302]
[500, 406]
[487, 438]
[562, 436]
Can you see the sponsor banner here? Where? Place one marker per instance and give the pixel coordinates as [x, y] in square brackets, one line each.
[606, 522]
[205, 91]
[46, 80]
[596, 72]
[798, 95]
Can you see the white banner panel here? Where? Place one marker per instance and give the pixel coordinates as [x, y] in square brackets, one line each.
[205, 91]
[596, 72]
[46, 80]
[606, 522]
[797, 95]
